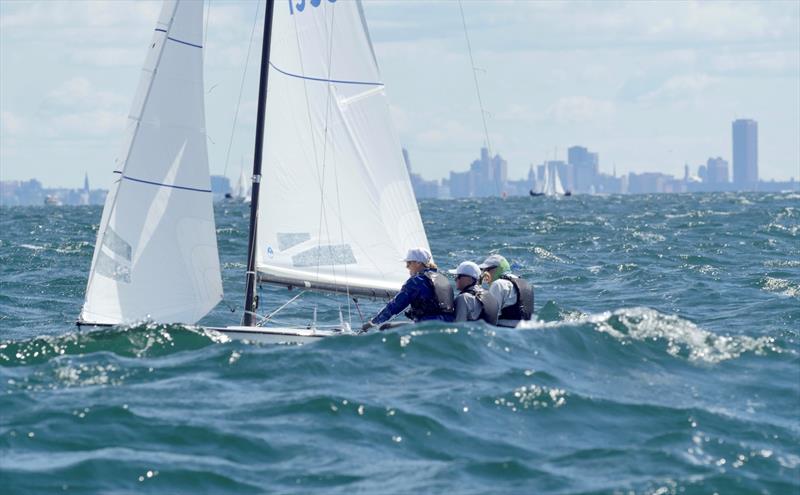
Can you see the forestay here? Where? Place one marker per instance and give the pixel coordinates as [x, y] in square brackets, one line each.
[156, 252]
[336, 210]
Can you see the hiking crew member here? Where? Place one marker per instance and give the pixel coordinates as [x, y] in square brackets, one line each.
[514, 295]
[427, 291]
[473, 302]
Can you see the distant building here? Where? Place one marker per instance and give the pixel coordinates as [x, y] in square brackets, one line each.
[487, 176]
[461, 184]
[585, 169]
[745, 154]
[716, 171]
[422, 188]
[702, 172]
[84, 199]
[31, 193]
[648, 182]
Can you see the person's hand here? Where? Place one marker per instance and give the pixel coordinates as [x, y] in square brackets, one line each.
[366, 326]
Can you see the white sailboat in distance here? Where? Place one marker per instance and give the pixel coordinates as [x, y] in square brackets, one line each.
[338, 210]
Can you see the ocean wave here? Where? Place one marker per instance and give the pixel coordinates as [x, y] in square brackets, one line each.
[682, 337]
[146, 340]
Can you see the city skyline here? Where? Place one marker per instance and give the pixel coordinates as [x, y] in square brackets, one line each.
[744, 147]
[650, 86]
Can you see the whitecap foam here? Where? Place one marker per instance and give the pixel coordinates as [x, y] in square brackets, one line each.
[547, 255]
[780, 286]
[682, 336]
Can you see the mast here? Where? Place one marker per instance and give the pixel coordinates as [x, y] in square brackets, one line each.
[250, 305]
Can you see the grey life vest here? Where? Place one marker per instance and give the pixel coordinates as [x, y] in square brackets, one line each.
[523, 308]
[489, 303]
[441, 304]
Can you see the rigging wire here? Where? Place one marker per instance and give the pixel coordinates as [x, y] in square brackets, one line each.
[267, 318]
[475, 77]
[241, 88]
[323, 217]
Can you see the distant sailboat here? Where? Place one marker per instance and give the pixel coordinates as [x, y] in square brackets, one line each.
[338, 210]
[241, 190]
[551, 184]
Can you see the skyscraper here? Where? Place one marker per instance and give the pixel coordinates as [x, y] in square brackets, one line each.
[84, 196]
[585, 168]
[716, 171]
[745, 153]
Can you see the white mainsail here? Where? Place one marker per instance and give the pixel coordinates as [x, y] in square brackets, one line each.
[545, 181]
[242, 188]
[552, 182]
[558, 189]
[156, 252]
[337, 211]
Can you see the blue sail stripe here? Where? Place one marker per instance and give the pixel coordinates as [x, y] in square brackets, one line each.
[177, 40]
[185, 188]
[184, 42]
[336, 81]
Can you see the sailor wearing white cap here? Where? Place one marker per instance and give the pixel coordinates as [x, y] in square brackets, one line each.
[427, 291]
[473, 302]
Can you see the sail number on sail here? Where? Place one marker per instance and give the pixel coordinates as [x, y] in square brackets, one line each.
[301, 5]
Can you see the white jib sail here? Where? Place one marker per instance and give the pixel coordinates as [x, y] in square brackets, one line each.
[156, 252]
[336, 210]
[558, 189]
[242, 188]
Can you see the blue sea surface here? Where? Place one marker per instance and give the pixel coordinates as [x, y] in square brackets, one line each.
[665, 359]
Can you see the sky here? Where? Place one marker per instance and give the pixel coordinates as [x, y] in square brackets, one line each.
[649, 86]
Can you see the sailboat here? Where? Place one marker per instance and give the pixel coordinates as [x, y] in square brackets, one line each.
[241, 190]
[337, 211]
[540, 187]
[551, 185]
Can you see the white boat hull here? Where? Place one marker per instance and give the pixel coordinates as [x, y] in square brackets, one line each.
[278, 335]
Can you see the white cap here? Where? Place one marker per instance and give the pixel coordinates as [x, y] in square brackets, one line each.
[470, 269]
[420, 255]
[492, 261]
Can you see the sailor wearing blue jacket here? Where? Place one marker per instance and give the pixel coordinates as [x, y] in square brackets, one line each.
[427, 291]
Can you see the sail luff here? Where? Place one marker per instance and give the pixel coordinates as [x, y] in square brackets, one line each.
[135, 116]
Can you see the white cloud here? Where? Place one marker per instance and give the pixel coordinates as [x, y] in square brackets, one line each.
[77, 108]
[758, 62]
[449, 132]
[401, 119]
[11, 124]
[109, 56]
[681, 87]
[34, 15]
[581, 109]
[80, 93]
[93, 123]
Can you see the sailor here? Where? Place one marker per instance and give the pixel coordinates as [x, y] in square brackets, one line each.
[473, 302]
[514, 295]
[427, 291]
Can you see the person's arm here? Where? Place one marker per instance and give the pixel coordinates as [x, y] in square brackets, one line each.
[462, 311]
[499, 290]
[398, 303]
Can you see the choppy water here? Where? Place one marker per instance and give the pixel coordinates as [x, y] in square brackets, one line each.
[666, 360]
